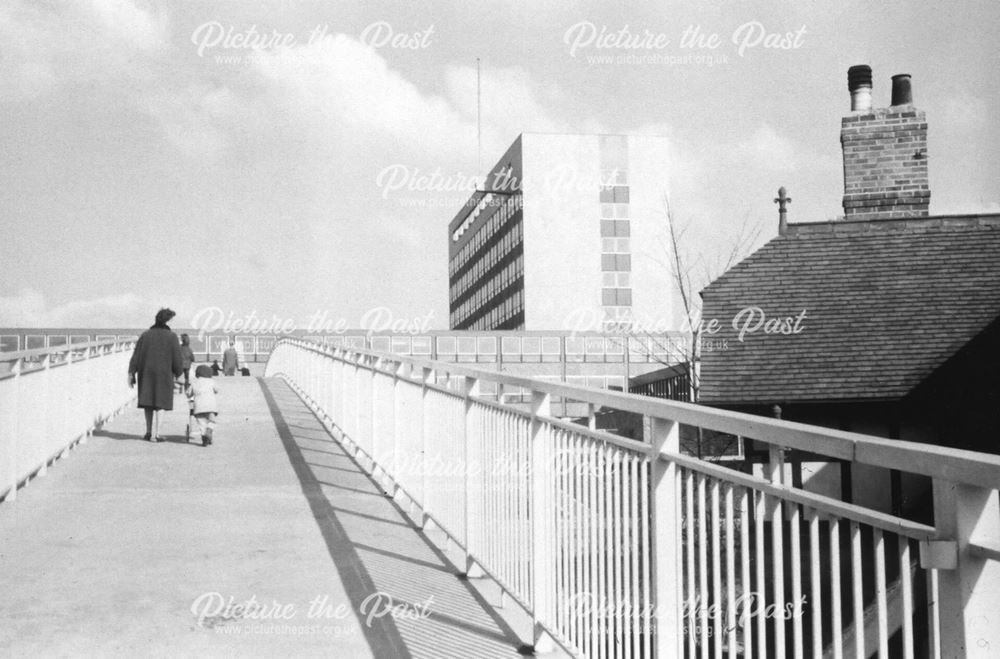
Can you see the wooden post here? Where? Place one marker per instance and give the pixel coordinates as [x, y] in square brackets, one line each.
[665, 518]
[542, 551]
[967, 583]
[472, 486]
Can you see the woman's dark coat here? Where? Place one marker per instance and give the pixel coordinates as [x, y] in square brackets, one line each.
[155, 362]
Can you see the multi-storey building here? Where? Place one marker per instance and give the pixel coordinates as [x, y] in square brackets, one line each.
[565, 232]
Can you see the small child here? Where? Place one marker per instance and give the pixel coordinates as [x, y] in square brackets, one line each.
[205, 407]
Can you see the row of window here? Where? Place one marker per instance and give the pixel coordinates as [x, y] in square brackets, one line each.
[616, 297]
[493, 255]
[488, 290]
[615, 229]
[612, 211]
[501, 312]
[614, 176]
[503, 181]
[616, 279]
[614, 194]
[498, 316]
[510, 206]
[616, 246]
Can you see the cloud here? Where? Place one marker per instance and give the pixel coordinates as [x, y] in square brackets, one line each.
[106, 41]
[769, 149]
[29, 308]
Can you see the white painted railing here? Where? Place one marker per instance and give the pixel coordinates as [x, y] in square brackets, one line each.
[622, 548]
[52, 399]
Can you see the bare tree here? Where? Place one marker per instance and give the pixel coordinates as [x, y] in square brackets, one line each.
[691, 271]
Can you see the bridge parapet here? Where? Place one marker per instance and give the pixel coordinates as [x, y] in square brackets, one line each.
[52, 399]
[628, 548]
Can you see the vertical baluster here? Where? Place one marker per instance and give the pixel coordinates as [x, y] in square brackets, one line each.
[592, 587]
[555, 477]
[691, 617]
[857, 596]
[703, 596]
[934, 615]
[730, 575]
[522, 494]
[815, 587]
[579, 545]
[746, 601]
[778, 575]
[906, 593]
[601, 547]
[760, 593]
[796, 569]
[716, 605]
[619, 554]
[878, 543]
[836, 621]
[634, 524]
[647, 587]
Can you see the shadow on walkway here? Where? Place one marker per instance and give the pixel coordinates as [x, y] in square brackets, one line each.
[381, 557]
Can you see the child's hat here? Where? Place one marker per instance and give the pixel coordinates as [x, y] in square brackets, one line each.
[203, 371]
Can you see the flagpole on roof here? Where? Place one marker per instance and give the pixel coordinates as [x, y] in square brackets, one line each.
[479, 125]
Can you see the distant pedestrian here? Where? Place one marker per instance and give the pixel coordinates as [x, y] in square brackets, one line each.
[155, 363]
[205, 406]
[230, 360]
[187, 358]
[216, 369]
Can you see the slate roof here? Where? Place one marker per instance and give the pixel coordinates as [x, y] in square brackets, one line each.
[887, 302]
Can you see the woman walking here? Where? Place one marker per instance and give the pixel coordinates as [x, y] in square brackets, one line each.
[155, 363]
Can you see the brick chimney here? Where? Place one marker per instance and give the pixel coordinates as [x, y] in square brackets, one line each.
[885, 152]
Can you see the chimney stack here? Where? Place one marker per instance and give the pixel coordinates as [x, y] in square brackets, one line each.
[885, 152]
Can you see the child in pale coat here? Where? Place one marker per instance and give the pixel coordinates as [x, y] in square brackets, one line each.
[205, 405]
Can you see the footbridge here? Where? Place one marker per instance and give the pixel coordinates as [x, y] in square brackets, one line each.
[361, 503]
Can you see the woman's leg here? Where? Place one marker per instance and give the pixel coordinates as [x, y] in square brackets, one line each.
[148, 411]
[156, 423]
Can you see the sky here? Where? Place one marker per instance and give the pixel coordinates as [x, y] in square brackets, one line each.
[272, 160]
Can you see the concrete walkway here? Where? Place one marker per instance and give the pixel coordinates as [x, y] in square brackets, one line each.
[270, 543]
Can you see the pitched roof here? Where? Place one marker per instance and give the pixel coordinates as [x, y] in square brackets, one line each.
[886, 303]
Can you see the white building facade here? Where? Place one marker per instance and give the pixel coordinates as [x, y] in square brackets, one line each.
[567, 232]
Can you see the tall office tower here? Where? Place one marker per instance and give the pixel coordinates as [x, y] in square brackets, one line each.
[565, 232]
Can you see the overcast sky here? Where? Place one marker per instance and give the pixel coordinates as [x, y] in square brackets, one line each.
[149, 158]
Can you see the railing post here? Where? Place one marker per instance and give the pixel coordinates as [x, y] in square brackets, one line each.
[400, 415]
[665, 517]
[969, 600]
[473, 515]
[542, 551]
[776, 474]
[47, 422]
[426, 378]
[15, 431]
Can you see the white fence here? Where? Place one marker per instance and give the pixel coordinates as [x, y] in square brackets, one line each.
[53, 398]
[622, 548]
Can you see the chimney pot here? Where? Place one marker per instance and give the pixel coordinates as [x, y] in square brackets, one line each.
[902, 91]
[859, 83]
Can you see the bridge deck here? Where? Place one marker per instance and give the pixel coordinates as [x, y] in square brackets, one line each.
[108, 554]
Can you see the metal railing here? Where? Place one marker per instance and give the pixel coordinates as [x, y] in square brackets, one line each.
[52, 399]
[622, 548]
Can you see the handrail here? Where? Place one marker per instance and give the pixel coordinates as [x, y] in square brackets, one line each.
[957, 465]
[66, 347]
[638, 524]
[49, 405]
